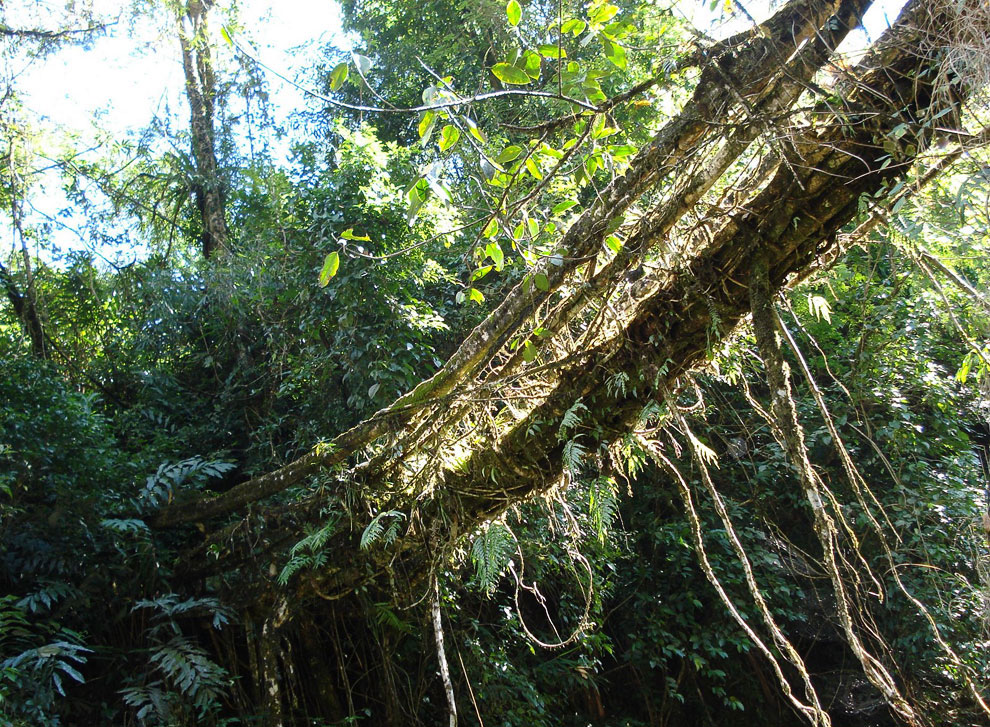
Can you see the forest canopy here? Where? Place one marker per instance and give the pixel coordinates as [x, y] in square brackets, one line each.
[554, 364]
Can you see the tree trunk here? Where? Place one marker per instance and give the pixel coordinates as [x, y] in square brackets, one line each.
[197, 65]
[27, 313]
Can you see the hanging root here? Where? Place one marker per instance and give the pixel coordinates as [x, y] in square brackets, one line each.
[790, 435]
[860, 486]
[448, 686]
[813, 711]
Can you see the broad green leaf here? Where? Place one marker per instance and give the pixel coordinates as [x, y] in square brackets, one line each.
[622, 150]
[563, 206]
[597, 126]
[494, 251]
[449, 137]
[339, 75]
[552, 51]
[541, 282]
[510, 74]
[529, 352]
[475, 295]
[534, 227]
[602, 15]
[508, 154]
[573, 26]
[513, 12]
[416, 195]
[614, 243]
[615, 53]
[481, 272]
[531, 64]
[618, 30]
[473, 128]
[226, 36]
[614, 224]
[491, 229]
[330, 266]
[426, 126]
[348, 234]
[967, 364]
[534, 168]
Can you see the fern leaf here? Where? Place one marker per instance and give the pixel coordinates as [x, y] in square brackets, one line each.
[571, 418]
[572, 456]
[491, 552]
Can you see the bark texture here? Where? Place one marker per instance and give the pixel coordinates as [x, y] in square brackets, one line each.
[197, 66]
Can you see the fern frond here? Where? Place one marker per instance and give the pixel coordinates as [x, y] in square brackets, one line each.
[572, 456]
[616, 383]
[377, 529]
[491, 552]
[571, 418]
[603, 506]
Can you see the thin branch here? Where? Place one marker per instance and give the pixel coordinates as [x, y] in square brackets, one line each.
[455, 103]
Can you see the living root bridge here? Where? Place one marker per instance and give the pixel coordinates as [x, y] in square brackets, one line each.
[826, 168]
[756, 67]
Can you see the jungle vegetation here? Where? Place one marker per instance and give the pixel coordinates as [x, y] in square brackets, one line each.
[576, 366]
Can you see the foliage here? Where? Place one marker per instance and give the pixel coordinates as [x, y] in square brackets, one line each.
[357, 266]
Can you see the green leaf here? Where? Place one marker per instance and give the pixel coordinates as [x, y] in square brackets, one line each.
[603, 14]
[348, 234]
[615, 53]
[597, 126]
[563, 206]
[330, 267]
[529, 352]
[618, 30]
[491, 229]
[573, 26]
[475, 295]
[426, 126]
[226, 36]
[339, 75]
[509, 154]
[416, 195]
[541, 282]
[614, 243]
[510, 74]
[552, 51]
[481, 272]
[513, 12]
[534, 168]
[622, 150]
[473, 128]
[494, 251]
[534, 227]
[532, 64]
[449, 137]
